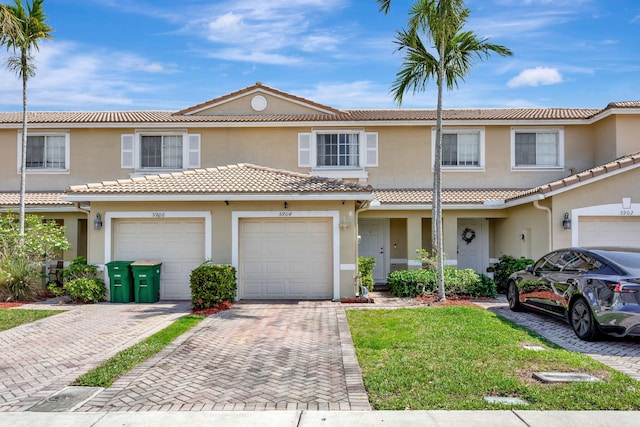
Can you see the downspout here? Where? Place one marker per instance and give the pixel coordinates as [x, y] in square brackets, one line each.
[536, 204]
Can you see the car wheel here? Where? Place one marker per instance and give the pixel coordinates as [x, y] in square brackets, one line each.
[513, 296]
[582, 321]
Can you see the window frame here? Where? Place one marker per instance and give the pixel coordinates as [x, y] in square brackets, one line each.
[314, 149]
[138, 150]
[46, 170]
[559, 131]
[457, 131]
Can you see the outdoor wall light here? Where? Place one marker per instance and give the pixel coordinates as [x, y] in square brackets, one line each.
[345, 223]
[566, 222]
[97, 223]
[286, 205]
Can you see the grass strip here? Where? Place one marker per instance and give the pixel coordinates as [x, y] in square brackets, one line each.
[105, 374]
[11, 317]
[452, 357]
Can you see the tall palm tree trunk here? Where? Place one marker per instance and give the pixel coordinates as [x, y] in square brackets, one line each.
[437, 180]
[23, 160]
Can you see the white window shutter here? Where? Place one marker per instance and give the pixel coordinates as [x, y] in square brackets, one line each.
[304, 150]
[127, 151]
[371, 149]
[193, 155]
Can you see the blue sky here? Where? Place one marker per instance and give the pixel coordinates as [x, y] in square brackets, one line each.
[168, 54]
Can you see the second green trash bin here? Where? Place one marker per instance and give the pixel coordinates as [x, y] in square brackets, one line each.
[146, 280]
[120, 283]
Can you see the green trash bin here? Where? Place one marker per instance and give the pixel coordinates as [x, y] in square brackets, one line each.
[120, 281]
[146, 280]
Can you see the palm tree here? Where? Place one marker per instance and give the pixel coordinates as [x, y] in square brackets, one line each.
[449, 59]
[31, 27]
[8, 24]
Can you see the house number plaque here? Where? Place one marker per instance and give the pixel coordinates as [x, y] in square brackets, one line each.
[158, 214]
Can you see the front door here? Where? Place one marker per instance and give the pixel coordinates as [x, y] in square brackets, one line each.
[473, 244]
[372, 244]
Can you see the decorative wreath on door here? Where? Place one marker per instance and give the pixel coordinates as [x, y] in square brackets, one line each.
[468, 235]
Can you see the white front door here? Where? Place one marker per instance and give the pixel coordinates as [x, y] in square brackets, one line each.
[372, 245]
[473, 244]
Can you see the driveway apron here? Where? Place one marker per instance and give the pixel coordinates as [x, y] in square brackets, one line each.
[255, 356]
[39, 358]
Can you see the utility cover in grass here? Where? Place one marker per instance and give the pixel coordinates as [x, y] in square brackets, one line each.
[563, 377]
[505, 400]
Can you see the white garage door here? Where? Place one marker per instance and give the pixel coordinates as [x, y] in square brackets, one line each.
[609, 231]
[177, 243]
[285, 259]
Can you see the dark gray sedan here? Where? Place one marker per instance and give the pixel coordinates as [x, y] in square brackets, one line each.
[596, 290]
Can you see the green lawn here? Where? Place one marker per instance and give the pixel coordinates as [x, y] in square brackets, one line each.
[11, 317]
[451, 357]
[105, 374]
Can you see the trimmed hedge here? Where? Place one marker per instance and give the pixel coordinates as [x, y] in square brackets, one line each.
[411, 283]
[212, 284]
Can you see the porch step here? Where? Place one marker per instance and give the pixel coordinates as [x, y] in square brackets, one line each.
[381, 287]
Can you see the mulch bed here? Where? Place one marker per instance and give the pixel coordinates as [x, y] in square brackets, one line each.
[356, 300]
[224, 305]
[455, 301]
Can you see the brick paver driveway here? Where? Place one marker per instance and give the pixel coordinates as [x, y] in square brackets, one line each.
[275, 355]
[622, 354]
[40, 358]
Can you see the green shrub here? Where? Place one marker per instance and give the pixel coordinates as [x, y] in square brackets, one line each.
[410, 283]
[86, 290]
[212, 284]
[505, 267]
[19, 279]
[365, 268]
[483, 287]
[78, 268]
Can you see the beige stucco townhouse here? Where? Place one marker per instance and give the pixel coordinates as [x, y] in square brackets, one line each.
[291, 192]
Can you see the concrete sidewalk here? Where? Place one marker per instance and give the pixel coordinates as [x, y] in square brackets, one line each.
[324, 419]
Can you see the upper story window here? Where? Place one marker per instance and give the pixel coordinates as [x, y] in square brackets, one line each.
[338, 153]
[462, 149]
[160, 151]
[537, 148]
[47, 152]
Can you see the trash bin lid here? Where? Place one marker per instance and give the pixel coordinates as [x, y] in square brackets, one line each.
[146, 263]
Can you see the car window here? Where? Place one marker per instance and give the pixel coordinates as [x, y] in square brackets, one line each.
[549, 262]
[580, 262]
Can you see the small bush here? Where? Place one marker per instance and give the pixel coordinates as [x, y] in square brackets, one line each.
[78, 268]
[365, 268]
[505, 267]
[410, 283]
[212, 284]
[87, 290]
[19, 280]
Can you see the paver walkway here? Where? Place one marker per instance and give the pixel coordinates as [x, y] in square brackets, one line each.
[39, 358]
[274, 355]
[622, 354]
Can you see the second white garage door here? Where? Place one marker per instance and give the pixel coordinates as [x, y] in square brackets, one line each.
[609, 231]
[285, 258]
[177, 243]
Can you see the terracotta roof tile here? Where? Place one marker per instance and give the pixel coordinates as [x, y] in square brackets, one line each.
[234, 179]
[449, 195]
[586, 175]
[12, 199]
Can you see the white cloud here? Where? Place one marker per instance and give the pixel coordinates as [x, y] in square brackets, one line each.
[536, 77]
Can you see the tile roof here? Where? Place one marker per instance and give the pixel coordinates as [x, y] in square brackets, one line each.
[233, 179]
[257, 87]
[167, 117]
[10, 199]
[586, 175]
[624, 104]
[458, 196]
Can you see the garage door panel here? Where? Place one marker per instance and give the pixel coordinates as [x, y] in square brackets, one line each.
[177, 243]
[609, 231]
[295, 255]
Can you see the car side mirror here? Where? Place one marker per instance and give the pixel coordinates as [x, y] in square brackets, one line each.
[529, 268]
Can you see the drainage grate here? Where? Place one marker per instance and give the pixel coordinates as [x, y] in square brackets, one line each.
[66, 399]
[563, 377]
